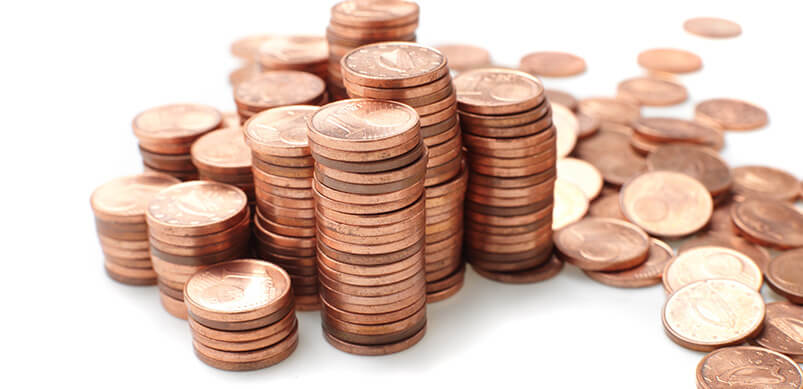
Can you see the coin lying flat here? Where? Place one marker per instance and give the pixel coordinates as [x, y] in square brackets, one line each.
[697, 162]
[646, 274]
[652, 91]
[610, 109]
[764, 182]
[769, 223]
[465, 57]
[670, 60]
[562, 98]
[756, 253]
[125, 199]
[747, 367]
[385, 13]
[393, 65]
[708, 27]
[785, 275]
[610, 152]
[247, 48]
[602, 244]
[783, 326]
[730, 114]
[708, 263]
[493, 91]
[176, 123]
[552, 64]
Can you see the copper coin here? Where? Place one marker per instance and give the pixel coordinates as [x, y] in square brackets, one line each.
[384, 349]
[670, 60]
[230, 233]
[782, 328]
[582, 174]
[540, 273]
[277, 88]
[362, 249]
[552, 64]
[711, 262]
[610, 109]
[607, 206]
[509, 221]
[568, 126]
[511, 182]
[769, 223]
[247, 72]
[602, 244]
[286, 323]
[374, 34]
[562, 98]
[747, 367]
[651, 91]
[666, 203]
[262, 177]
[374, 334]
[764, 182]
[393, 65]
[697, 162]
[380, 318]
[247, 360]
[709, 27]
[196, 208]
[527, 129]
[496, 91]
[709, 314]
[730, 114]
[130, 276]
[176, 123]
[588, 125]
[662, 129]
[247, 47]
[416, 168]
[222, 151]
[610, 152]
[538, 190]
[245, 346]
[419, 95]
[784, 275]
[507, 120]
[444, 294]
[571, 204]
[290, 52]
[465, 57]
[280, 131]
[374, 13]
[374, 219]
[174, 307]
[179, 163]
[125, 199]
[757, 254]
[646, 274]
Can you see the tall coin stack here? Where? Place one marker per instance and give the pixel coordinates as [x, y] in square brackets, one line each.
[418, 76]
[223, 156]
[192, 225]
[297, 52]
[241, 315]
[508, 132]
[278, 88]
[284, 226]
[166, 134]
[355, 23]
[119, 208]
[370, 164]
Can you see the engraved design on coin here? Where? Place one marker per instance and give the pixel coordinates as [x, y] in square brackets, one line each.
[224, 147]
[496, 86]
[279, 87]
[394, 60]
[747, 367]
[196, 203]
[705, 263]
[229, 289]
[375, 10]
[364, 120]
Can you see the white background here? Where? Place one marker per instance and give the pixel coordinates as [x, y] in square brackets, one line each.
[75, 73]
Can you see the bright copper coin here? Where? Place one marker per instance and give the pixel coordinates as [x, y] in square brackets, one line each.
[764, 182]
[176, 123]
[670, 60]
[646, 274]
[769, 223]
[709, 27]
[496, 91]
[247, 48]
[758, 254]
[360, 13]
[607, 206]
[651, 91]
[363, 125]
[567, 126]
[125, 199]
[465, 57]
[610, 152]
[747, 367]
[667, 204]
[562, 98]
[709, 314]
[278, 87]
[222, 151]
[708, 263]
[697, 162]
[730, 114]
[602, 244]
[785, 275]
[581, 173]
[783, 326]
[610, 109]
[571, 204]
[552, 64]
[288, 51]
[196, 208]
[280, 131]
[393, 65]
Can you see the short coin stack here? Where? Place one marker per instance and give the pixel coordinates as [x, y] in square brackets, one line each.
[166, 134]
[418, 76]
[511, 143]
[278, 88]
[370, 164]
[284, 225]
[223, 156]
[355, 23]
[192, 225]
[119, 208]
[299, 52]
[241, 314]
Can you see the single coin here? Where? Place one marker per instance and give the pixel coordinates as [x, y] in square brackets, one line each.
[176, 123]
[571, 204]
[247, 48]
[670, 60]
[647, 274]
[785, 275]
[581, 173]
[708, 27]
[730, 114]
[764, 182]
[610, 152]
[602, 244]
[769, 223]
[280, 131]
[588, 125]
[465, 57]
[747, 367]
[783, 325]
[366, 14]
[196, 208]
[562, 98]
[278, 87]
[292, 51]
[607, 206]
[757, 254]
[651, 91]
[363, 125]
[125, 199]
[222, 151]
[709, 314]
[667, 204]
[610, 109]
[552, 64]
[708, 263]
[495, 91]
[393, 65]
[568, 126]
[697, 162]
[543, 272]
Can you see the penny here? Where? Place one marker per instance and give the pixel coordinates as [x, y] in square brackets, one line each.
[393, 65]
[528, 129]
[651, 91]
[363, 125]
[580, 173]
[176, 123]
[280, 131]
[607, 206]
[670, 60]
[769, 223]
[764, 182]
[444, 294]
[465, 57]
[383, 349]
[667, 204]
[610, 152]
[709, 314]
[174, 307]
[222, 151]
[711, 262]
[562, 98]
[125, 199]
[291, 52]
[247, 360]
[568, 126]
[571, 204]
[507, 120]
[246, 48]
[730, 114]
[552, 64]
[602, 244]
[610, 109]
[646, 274]
[375, 13]
[248, 71]
[196, 208]
[782, 329]
[757, 254]
[545, 271]
[496, 91]
[784, 275]
[277, 88]
[416, 168]
[747, 366]
[709, 27]
[697, 162]
[588, 125]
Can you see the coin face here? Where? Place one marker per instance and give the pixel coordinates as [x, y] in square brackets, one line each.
[783, 330]
[769, 223]
[298, 49]
[747, 367]
[363, 120]
[581, 173]
[757, 254]
[570, 204]
[646, 274]
[666, 203]
[127, 197]
[385, 62]
[224, 148]
[279, 87]
[708, 314]
[652, 91]
[362, 13]
[610, 152]
[465, 57]
[602, 244]
[708, 263]
[708, 27]
[785, 275]
[280, 131]
[237, 286]
[496, 89]
[567, 126]
[552, 64]
[177, 122]
[764, 182]
[697, 162]
[196, 203]
[731, 114]
[670, 60]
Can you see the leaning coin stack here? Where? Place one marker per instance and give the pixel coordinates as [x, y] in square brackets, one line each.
[223, 156]
[511, 142]
[298, 52]
[284, 225]
[241, 314]
[192, 225]
[418, 76]
[278, 88]
[370, 164]
[166, 134]
[355, 23]
[119, 208]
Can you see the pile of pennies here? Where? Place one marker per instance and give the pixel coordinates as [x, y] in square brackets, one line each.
[119, 208]
[278, 88]
[355, 23]
[192, 225]
[418, 76]
[370, 164]
[223, 156]
[166, 134]
[284, 225]
[241, 314]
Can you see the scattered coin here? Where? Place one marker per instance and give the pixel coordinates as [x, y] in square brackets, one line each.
[730, 114]
[651, 91]
[571, 204]
[581, 173]
[588, 125]
[610, 152]
[670, 60]
[708, 263]
[769, 223]
[747, 366]
[552, 64]
[607, 206]
[247, 48]
[646, 274]
[708, 27]
[697, 162]
[758, 254]
[465, 57]
[567, 125]
[562, 98]
[785, 275]
[610, 110]
[600, 244]
[782, 329]
[764, 182]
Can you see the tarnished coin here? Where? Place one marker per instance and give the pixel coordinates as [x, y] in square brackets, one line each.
[382, 13]
[196, 208]
[568, 126]
[602, 244]
[288, 51]
[670, 60]
[709, 314]
[610, 109]
[769, 223]
[610, 152]
[494, 91]
[607, 206]
[363, 125]
[758, 254]
[125, 199]
[708, 263]
[764, 182]
[697, 162]
[581, 173]
[709, 27]
[646, 274]
[465, 57]
[278, 87]
[652, 91]
[222, 151]
[393, 65]
[247, 48]
[667, 204]
[571, 204]
[783, 326]
[176, 123]
[785, 275]
[552, 64]
[280, 131]
[730, 114]
[562, 98]
[747, 367]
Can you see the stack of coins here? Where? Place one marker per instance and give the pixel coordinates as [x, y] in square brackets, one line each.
[192, 225]
[166, 134]
[511, 143]
[278, 88]
[300, 52]
[284, 225]
[223, 156]
[418, 76]
[370, 164]
[241, 314]
[355, 23]
[119, 208]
